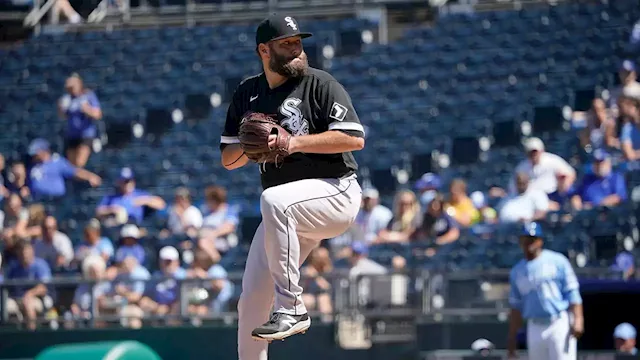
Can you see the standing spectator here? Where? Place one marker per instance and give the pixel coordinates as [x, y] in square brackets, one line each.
[27, 300]
[163, 293]
[47, 176]
[373, 217]
[54, 247]
[184, 218]
[603, 187]
[87, 294]
[15, 217]
[625, 339]
[529, 204]
[406, 218]
[427, 188]
[220, 224]
[317, 288]
[437, 224]
[17, 180]
[460, 206]
[542, 167]
[128, 203]
[94, 244]
[81, 109]
[129, 246]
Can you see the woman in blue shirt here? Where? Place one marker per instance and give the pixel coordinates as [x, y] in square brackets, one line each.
[81, 109]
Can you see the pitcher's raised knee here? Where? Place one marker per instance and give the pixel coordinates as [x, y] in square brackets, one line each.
[272, 200]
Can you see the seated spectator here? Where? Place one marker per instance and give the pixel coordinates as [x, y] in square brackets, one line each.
[37, 214]
[628, 78]
[1, 268]
[600, 131]
[81, 109]
[26, 300]
[560, 200]
[94, 244]
[16, 181]
[217, 285]
[4, 192]
[630, 134]
[486, 214]
[603, 187]
[361, 266]
[163, 292]
[220, 223]
[87, 294]
[541, 168]
[47, 177]
[529, 204]
[624, 336]
[460, 207]
[128, 203]
[437, 225]
[184, 218]
[373, 217]
[54, 247]
[15, 217]
[624, 264]
[129, 246]
[406, 218]
[427, 188]
[317, 289]
[126, 291]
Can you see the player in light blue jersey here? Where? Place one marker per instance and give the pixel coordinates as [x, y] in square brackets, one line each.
[544, 292]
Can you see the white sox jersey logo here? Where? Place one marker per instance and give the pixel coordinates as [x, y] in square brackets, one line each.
[294, 122]
[338, 111]
[291, 23]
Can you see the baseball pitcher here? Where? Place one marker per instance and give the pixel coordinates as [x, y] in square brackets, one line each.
[545, 292]
[299, 125]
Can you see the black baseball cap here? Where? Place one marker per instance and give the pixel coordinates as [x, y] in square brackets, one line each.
[277, 27]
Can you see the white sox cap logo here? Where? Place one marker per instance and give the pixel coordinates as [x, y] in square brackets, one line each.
[291, 23]
[338, 111]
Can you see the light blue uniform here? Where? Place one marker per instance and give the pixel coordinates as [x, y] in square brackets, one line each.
[542, 290]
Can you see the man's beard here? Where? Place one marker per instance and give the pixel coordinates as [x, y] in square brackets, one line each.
[286, 67]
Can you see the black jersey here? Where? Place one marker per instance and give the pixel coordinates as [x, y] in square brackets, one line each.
[311, 104]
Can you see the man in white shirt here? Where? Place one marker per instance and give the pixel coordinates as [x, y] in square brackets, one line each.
[542, 167]
[184, 217]
[373, 217]
[529, 204]
[55, 247]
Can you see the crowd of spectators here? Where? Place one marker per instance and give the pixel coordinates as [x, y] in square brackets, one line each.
[125, 273]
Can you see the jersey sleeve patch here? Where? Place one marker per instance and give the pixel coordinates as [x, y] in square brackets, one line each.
[338, 112]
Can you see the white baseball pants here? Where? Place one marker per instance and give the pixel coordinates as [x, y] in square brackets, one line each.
[552, 341]
[296, 217]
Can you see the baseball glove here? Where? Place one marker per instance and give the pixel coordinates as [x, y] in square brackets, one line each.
[254, 132]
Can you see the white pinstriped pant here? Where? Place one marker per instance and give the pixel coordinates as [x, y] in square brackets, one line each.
[296, 217]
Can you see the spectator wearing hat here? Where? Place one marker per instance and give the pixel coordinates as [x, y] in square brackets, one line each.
[94, 244]
[373, 217]
[87, 294]
[459, 206]
[427, 188]
[47, 177]
[218, 233]
[129, 246]
[162, 294]
[624, 264]
[184, 218]
[602, 187]
[54, 246]
[624, 336]
[360, 264]
[128, 203]
[541, 167]
[81, 109]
